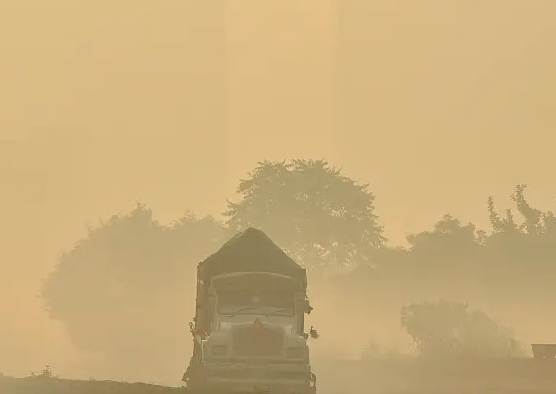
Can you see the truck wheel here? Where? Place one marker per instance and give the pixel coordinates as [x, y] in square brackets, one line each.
[196, 379]
[313, 388]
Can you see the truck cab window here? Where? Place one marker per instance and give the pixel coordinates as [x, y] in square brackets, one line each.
[255, 302]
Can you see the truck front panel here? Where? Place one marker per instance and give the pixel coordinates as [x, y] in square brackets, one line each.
[242, 377]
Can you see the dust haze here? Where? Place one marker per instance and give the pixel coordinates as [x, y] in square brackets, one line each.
[437, 105]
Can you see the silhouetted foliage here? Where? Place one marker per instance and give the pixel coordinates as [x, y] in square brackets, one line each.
[451, 247]
[321, 217]
[528, 249]
[46, 373]
[450, 330]
[121, 291]
[515, 254]
[132, 278]
[448, 237]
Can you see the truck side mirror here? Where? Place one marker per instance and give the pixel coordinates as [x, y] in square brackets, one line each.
[314, 334]
[307, 308]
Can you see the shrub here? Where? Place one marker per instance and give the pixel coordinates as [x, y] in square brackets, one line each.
[450, 330]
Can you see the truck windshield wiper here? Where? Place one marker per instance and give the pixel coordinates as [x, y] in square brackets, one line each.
[245, 308]
[276, 311]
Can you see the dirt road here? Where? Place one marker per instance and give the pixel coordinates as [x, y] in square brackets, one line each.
[412, 377]
[381, 377]
[63, 386]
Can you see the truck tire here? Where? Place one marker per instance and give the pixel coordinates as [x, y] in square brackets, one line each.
[196, 379]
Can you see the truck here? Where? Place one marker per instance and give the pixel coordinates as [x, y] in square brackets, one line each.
[249, 325]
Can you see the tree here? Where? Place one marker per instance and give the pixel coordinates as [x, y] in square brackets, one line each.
[449, 237]
[123, 291]
[535, 221]
[527, 249]
[318, 215]
[449, 330]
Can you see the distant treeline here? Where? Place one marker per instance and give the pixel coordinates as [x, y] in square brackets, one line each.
[133, 273]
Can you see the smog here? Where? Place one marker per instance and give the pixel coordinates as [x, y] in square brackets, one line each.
[398, 157]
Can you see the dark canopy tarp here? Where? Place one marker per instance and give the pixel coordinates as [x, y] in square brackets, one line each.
[250, 251]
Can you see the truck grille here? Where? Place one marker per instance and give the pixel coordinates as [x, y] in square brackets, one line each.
[258, 342]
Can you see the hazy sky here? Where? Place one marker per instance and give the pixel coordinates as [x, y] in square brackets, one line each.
[443, 104]
[436, 104]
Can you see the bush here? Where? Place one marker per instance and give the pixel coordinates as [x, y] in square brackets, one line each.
[45, 373]
[449, 330]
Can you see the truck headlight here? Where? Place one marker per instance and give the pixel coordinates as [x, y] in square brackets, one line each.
[296, 352]
[218, 350]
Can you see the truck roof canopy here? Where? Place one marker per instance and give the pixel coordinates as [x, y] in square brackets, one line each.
[250, 251]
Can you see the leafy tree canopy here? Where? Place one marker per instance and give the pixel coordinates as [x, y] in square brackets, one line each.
[535, 222]
[528, 246]
[320, 216]
[120, 291]
[449, 236]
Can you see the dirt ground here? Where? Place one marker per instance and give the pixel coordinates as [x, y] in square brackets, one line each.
[64, 386]
[385, 377]
[409, 376]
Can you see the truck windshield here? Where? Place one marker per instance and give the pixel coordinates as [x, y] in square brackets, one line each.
[255, 302]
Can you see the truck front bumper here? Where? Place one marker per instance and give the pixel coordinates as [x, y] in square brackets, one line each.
[279, 378]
